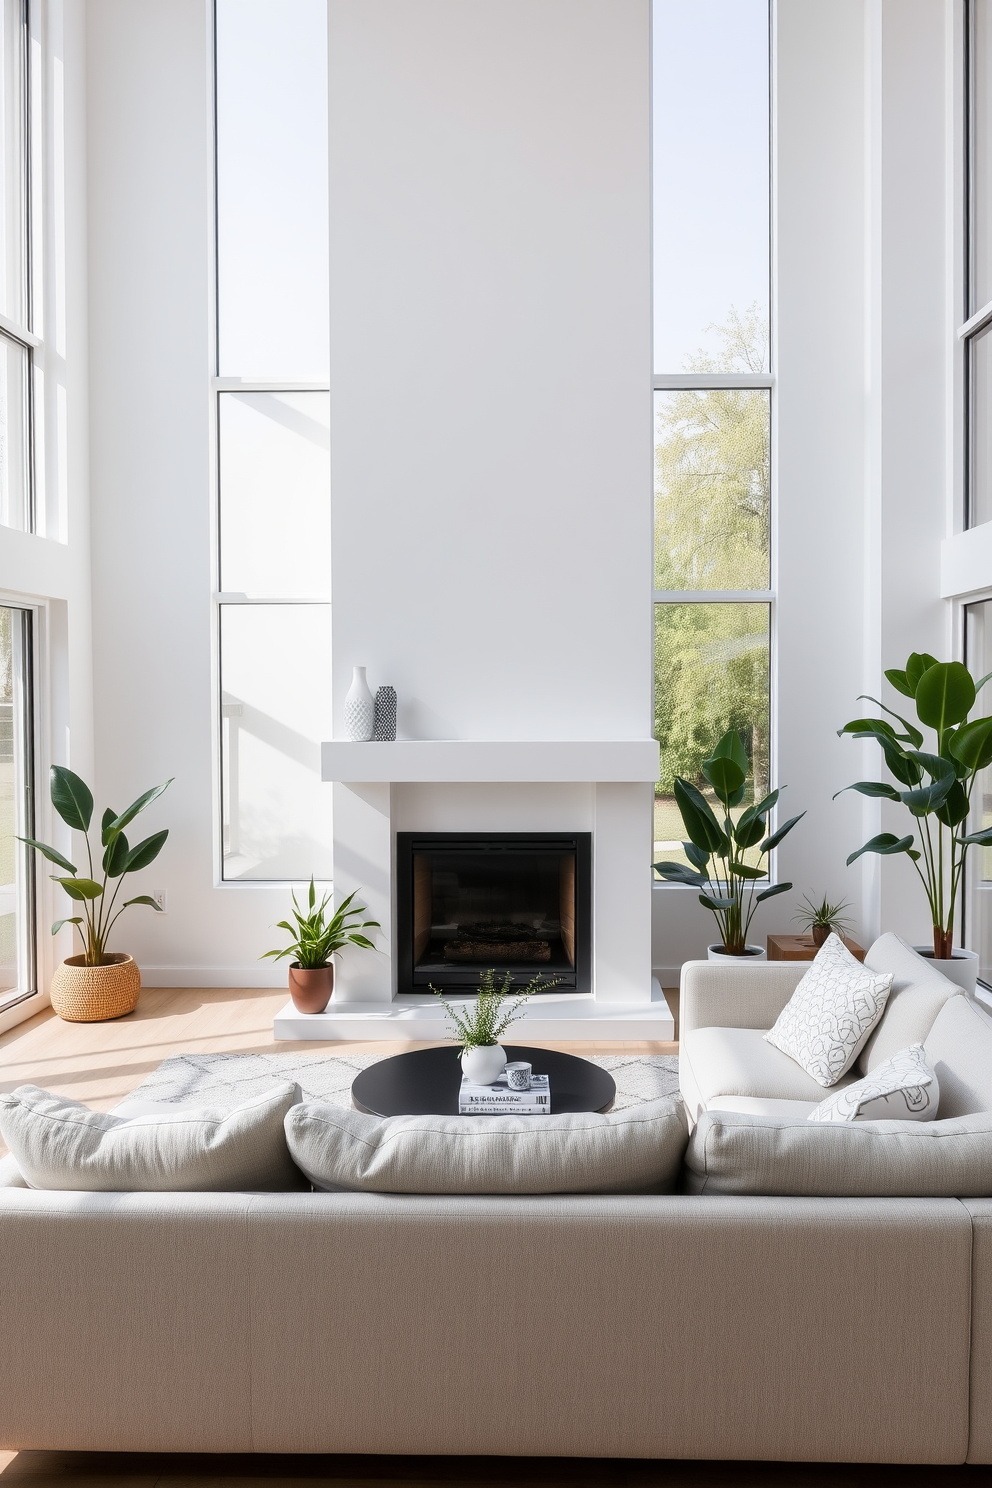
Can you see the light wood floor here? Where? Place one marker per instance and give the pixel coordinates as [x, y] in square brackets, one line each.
[99, 1063]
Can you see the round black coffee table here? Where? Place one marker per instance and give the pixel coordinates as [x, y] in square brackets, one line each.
[425, 1082]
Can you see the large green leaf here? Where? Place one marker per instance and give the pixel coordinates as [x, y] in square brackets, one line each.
[49, 853]
[70, 920]
[120, 822]
[80, 888]
[710, 902]
[697, 857]
[912, 733]
[978, 839]
[731, 746]
[143, 899]
[749, 833]
[870, 788]
[885, 843]
[106, 835]
[955, 808]
[945, 695]
[701, 825]
[760, 808]
[927, 798]
[901, 683]
[71, 798]
[867, 728]
[745, 870]
[780, 832]
[782, 888]
[918, 663]
[972, 744]
[726, 777]
[680, 873]
[115, 855]
[904, 767]
[146, 852]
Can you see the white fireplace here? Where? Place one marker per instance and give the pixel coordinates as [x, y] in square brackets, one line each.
[603, 789]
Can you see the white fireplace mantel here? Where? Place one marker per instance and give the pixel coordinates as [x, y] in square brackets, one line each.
[451, 761]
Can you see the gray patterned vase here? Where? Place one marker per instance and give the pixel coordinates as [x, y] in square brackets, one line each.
[358, 708]
[384, 722]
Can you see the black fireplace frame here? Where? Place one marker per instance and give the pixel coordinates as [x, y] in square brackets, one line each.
[577, 980]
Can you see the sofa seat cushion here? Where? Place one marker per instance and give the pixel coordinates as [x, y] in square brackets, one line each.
[751, 1105]
[735, 1153]
[917, 995]
[739, 1061]
[635, 1150]
[58, 1143]
[959, 1048]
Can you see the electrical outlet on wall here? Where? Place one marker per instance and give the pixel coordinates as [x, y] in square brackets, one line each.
[161, 898]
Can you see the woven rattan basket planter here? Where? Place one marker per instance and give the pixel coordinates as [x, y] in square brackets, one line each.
[91, 994]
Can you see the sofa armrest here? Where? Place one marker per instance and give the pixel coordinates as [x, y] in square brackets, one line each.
[713, 994]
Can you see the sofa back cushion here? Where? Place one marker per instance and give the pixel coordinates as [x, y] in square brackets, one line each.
[634, 1150]
[959, 1047]
[733, 1153]
[918, 993]
[58, 1143]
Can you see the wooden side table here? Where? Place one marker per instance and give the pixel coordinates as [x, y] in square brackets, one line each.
[803, 948]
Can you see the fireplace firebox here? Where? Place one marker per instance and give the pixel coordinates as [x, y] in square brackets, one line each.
[518, 902]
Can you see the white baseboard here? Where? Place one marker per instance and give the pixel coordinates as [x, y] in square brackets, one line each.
[212, 976]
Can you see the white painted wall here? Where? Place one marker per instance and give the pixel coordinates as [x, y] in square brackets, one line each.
[861, 343]
[490, 363]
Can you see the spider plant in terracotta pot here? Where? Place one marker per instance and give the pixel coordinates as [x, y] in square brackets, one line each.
[99, 984]
[818, 920]
[316, 938]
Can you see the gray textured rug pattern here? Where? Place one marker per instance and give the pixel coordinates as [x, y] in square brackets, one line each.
[225, 1080]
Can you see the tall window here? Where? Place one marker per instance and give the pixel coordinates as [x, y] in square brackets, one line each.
[17, 972]
[273, 415]
[714, 598]
[976, 330]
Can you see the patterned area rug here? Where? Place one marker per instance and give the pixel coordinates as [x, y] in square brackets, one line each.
[225, 1080]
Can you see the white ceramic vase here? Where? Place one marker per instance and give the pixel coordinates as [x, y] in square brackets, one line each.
[484, 1063]
[359, 708]
[962, 969]
[751, 953]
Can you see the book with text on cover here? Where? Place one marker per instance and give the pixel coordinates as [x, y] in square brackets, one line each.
[499, 1099]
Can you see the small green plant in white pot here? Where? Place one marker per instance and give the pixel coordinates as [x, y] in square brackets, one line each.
[479, 1027]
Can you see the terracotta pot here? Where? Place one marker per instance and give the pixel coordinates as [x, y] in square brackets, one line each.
[310, 987]
[93, 994]
[820, 934]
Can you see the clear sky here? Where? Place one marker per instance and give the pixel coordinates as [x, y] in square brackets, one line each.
[710, 169]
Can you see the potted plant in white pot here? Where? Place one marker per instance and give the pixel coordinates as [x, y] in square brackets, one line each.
[479, 1027]
[935, 785]
[316, 939]
[99, 984]
[718, 852]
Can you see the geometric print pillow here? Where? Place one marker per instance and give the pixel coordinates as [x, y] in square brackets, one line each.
[828, 1018]
[904, 1088]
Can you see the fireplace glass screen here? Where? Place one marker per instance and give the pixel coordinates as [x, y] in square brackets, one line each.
[519, 904]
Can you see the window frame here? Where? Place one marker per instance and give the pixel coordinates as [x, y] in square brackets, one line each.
[26, 726]
[21, 332]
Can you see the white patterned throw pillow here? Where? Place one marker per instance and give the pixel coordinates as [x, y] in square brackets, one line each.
[831, 1013]
[904, 1088]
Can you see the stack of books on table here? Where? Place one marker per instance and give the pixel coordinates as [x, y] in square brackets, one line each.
[499, 1099]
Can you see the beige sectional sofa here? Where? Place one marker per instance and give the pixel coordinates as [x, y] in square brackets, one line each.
[673, 1325]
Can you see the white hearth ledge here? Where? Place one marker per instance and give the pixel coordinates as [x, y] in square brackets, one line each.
[447, 761]
[551, 1016]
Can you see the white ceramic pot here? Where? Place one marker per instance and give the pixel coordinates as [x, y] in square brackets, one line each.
[485, 1063]
[359, 708]
[962, 969]
[751, 953]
